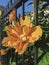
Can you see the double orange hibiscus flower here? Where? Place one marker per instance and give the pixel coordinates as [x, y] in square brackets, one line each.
[20, 35]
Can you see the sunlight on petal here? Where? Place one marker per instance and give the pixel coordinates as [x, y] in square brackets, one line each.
[36, 34]
[25, 22]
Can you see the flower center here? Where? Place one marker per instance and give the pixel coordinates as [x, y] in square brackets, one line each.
[23, 37]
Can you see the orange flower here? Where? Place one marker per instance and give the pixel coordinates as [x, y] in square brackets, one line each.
[3, 52]
[19, 37]
[12, 15]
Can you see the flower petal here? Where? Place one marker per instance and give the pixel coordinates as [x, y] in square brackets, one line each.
[3, 52]
[17, 28]
[22, 47]
[36, 34]
[9, 41]
[26, 30]
[12, 15]
[25, 22]
[11, 31]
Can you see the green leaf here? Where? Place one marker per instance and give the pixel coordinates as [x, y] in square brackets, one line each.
[44, 60]
[13, 63]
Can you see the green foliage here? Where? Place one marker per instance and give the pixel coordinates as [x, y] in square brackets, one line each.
[43, 44]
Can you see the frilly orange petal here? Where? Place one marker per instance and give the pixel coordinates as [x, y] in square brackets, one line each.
[22, 47]
[12, 15]
[3, 52]
[26, 30]
[9, 41]
[9, 29]
[17, 28]
[13, 30]
[5, 41]
[25, 22]
[36, 34]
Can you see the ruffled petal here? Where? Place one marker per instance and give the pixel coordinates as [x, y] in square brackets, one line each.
[26, 30]
[10, 41]
[12, 15]
[17, 28]
[25, 22]
[3, 52]
[10, 31]
[36, 34]
[13, 30]
[22, 47]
